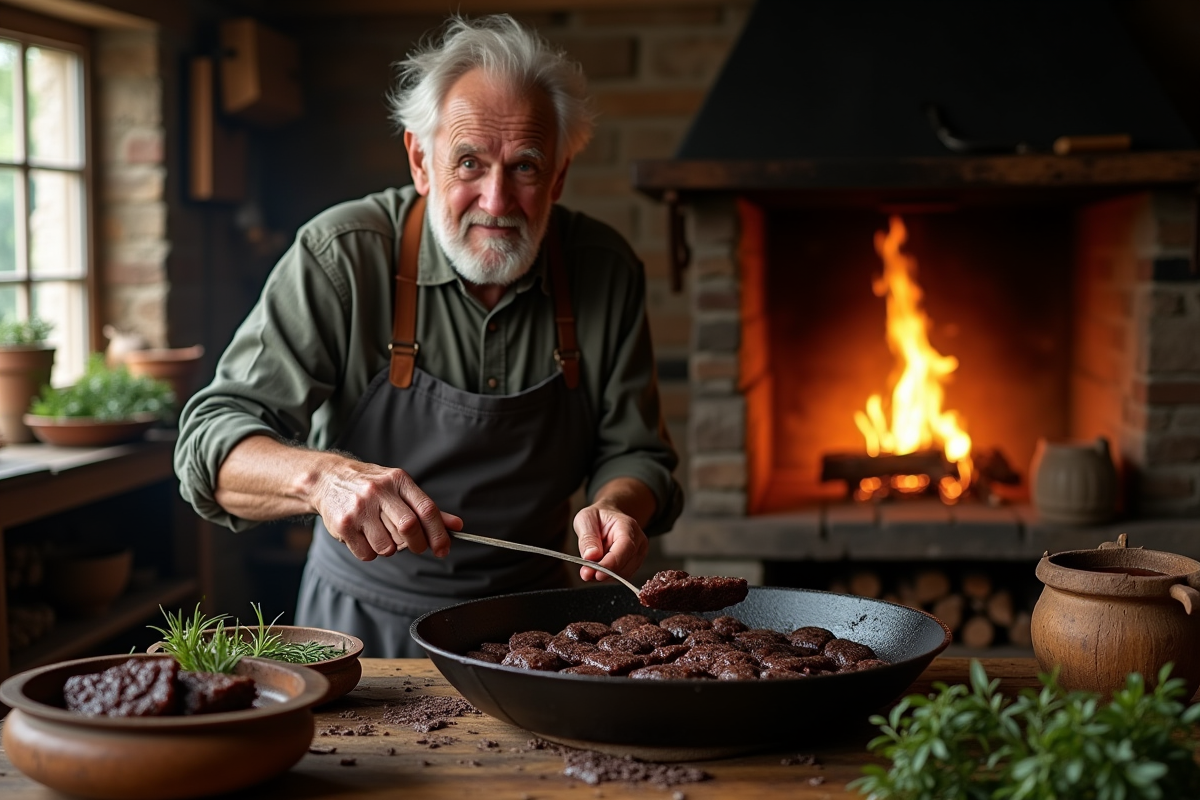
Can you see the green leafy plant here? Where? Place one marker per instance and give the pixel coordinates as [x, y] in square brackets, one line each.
[975, 743]
[24, 332]
[105, 393]
[203, 643]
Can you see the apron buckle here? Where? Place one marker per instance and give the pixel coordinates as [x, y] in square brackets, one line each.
[565, 355]
[411, 348]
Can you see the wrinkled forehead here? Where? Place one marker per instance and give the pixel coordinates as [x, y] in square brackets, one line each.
[486, 112]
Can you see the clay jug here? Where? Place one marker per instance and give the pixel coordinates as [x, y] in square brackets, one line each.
[1114, 610]
[1073, 483]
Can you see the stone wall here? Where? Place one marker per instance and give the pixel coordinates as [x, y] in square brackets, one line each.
[1137, 345]
[132, 243]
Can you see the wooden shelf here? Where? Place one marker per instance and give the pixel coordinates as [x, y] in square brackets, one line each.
[38, 481]
[71, 637]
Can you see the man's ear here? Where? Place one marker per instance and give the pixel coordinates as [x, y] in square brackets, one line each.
[560, 182]
[416, 163]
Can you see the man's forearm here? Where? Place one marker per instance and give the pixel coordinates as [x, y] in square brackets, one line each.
[262, 479]
[629, 496]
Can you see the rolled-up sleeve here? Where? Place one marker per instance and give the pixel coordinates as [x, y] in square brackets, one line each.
[278, 370]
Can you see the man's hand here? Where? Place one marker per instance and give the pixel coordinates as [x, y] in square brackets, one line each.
[378, 511]
[610, 529]
[374, 510]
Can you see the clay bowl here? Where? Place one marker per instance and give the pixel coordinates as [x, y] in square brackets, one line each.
[88, 432]
[84, 583]
[1114, 610]
[152, 758]
[342, 672]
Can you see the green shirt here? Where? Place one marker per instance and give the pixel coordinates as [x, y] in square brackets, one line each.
[299, 363]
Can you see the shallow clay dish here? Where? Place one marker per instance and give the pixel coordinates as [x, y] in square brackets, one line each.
[88, 432]
[342, 672]
[157, 757]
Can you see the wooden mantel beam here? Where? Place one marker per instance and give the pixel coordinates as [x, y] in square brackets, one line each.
[1093, 171]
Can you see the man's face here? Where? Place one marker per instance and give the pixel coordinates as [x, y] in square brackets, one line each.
[491, 177]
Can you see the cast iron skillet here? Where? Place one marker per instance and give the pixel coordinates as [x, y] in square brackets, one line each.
[679, 713]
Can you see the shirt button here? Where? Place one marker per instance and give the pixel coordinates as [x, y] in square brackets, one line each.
[492, 383]
[493, 327]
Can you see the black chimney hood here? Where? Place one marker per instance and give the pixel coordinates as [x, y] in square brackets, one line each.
[837, 94]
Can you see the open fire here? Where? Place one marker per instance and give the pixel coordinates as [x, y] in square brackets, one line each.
[918, 421]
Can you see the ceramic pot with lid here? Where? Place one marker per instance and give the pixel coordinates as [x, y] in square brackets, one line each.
[1114, 610]
[1073, 483]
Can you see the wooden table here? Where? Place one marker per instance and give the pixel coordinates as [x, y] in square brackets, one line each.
[491, 760]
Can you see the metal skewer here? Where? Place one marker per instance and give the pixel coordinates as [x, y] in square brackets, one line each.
[542, 551]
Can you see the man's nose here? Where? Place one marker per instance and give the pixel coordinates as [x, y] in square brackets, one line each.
[495, 195]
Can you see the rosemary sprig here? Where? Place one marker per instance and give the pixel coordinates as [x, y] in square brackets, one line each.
[203, 644]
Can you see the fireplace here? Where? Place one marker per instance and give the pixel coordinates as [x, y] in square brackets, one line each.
[1063, 284]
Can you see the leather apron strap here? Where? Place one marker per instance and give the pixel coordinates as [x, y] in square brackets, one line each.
[566, 355]
[404, 346]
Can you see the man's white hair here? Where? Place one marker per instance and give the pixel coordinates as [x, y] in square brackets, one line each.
[504, 49]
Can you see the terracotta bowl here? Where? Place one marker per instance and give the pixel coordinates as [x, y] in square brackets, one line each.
[157, 757]
[85, 583]
[88, 432]
[342, 672]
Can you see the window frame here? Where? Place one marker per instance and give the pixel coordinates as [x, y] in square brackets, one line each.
[34, 30]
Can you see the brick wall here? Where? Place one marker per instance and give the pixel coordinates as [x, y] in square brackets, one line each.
[132, 243]
[1137, 345]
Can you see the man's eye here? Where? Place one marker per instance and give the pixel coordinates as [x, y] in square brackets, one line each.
[469, 163]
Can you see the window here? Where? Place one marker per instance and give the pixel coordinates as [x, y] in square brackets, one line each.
[44, 191]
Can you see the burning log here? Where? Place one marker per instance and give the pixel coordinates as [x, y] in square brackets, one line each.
[854, 467]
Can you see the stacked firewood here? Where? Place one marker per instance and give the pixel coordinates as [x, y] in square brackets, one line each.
[977, 611]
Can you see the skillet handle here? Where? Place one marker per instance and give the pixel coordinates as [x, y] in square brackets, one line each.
[1186, 595]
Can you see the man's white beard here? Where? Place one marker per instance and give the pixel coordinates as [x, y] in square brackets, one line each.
[502, 260]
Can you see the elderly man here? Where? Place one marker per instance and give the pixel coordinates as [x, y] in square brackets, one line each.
[458, 352]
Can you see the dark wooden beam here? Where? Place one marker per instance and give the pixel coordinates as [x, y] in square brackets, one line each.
[1092, 171]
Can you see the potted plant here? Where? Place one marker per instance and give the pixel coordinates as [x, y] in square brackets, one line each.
[107, 405]
[25, 363]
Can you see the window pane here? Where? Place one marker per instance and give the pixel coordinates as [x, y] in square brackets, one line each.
[10, 99]
[55, 223]
[12, 225]
[8, 302]
[55, 107]
[64, 303]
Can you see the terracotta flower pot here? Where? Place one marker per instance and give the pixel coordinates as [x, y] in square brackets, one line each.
[1114, 610]
[24, 370]
[177, 366]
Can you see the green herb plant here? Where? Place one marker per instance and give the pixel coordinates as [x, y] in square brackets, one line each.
[105, 393]
[204, 644]
[24, 332]
[975, 743]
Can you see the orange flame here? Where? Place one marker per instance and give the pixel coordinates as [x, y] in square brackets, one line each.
[918, 421]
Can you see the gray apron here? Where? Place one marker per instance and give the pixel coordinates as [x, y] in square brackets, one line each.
[506, 464]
